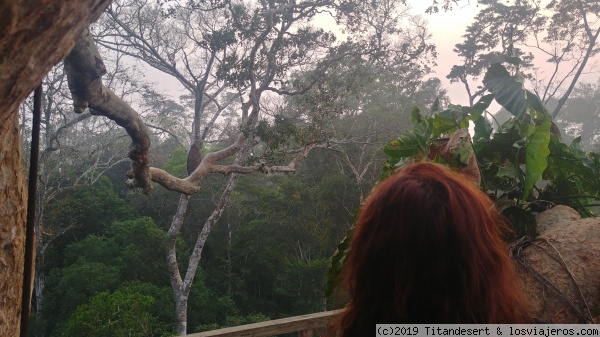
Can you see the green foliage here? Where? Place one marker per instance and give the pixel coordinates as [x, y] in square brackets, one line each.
[300, 283]
[123, 313]
[74, 285]
[79, 212]
[536, 153]
[275, 239]
[141, 245]
[85, 209]
[234, 320]
[507, 91]
[572, 175]
[518, 164]
[208, 309]
[93, 248]
[267, 259]
[522, 164]
[176, 165]
[163, 306]
[279, 134]
[128, 251]
[514, 157]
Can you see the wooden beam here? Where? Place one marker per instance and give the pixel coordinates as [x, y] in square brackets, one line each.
[275, 327]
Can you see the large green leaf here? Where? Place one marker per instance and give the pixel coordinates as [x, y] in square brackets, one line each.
[423, 130]
[421, 126]
[576, 147]
[448, 121]
[481, 105]
[583, 161]
[507, 172]
[463, 151]
[535, 102]
[509, 92]
[409, 144]
[415, 116]
[483, 129]
[536, 154]
[526, 128]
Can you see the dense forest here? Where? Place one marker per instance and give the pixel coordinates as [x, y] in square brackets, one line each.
[266, 259]
[252, 176]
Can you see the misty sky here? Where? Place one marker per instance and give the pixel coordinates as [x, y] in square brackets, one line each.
[446, 28]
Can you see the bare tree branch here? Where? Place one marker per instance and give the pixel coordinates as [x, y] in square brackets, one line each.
[262, 167]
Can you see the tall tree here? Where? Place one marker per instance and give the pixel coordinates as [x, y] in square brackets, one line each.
[362, 106]
[564, 31]
[264, 43]
[35, 36]
[496, 33]
[75, 150]
[574, 30]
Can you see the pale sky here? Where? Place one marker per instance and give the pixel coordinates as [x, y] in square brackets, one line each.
[446, 28]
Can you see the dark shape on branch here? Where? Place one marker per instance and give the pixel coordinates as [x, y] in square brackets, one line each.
[194, 159]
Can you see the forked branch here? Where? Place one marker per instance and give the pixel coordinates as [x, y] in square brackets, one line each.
[84, 68]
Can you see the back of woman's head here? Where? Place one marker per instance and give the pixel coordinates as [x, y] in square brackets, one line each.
[428, 249]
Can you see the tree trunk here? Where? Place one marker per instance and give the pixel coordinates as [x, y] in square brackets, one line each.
[34, 36]
[590, 50]
[181, 303]
[13, 208]
[39, 285]
[39, 278]
[181, 287]
[174, 273]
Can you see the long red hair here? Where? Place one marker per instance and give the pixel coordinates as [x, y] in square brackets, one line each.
[428, 248]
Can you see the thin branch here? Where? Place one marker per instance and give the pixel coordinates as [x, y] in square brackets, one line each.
[261, 167]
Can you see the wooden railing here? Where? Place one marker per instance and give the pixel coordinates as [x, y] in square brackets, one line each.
[304, 325]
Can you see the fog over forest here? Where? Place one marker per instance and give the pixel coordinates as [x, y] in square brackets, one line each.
[201, 161]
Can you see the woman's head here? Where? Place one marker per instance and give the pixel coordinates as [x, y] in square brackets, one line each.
[428, 249]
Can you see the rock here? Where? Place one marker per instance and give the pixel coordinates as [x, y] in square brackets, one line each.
[553, 216]
[567, 255]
